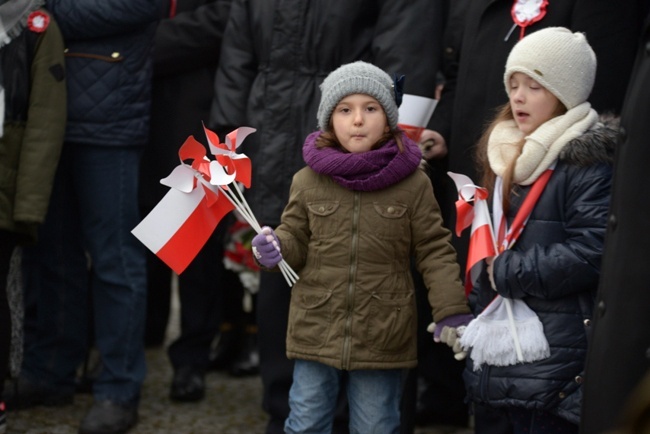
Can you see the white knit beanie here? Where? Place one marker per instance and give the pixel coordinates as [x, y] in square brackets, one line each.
[357, 77]
[561, 61]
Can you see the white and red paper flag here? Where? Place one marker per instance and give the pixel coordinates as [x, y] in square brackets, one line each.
[507, 331]
[181, 223]
[472, 209]
[414, 114]
[202, 193]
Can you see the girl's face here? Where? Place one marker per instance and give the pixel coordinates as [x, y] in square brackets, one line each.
[531, 103]
[359, 122]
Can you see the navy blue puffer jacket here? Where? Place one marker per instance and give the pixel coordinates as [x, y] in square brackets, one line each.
[554, 267]
[108, 63]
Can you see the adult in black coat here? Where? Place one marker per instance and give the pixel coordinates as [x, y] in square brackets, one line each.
[186, 54]
[619, 354]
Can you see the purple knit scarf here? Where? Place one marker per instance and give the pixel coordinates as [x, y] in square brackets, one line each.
[366, 171]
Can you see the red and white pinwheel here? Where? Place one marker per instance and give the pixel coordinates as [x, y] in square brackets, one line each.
[202, 192]
[181, 223]
[236, 164]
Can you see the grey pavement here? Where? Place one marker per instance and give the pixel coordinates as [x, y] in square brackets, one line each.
[232, 405]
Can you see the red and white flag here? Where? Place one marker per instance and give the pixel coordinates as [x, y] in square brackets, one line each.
[202, 192]
[472, 208]
[180, 225]
[507, 331]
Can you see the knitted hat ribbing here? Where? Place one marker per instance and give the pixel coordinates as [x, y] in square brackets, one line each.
[357, 77]
[561, 61]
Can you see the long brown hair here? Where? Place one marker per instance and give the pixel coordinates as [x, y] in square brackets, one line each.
[486, 175]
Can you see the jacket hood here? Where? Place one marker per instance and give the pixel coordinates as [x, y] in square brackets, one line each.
[595, 146]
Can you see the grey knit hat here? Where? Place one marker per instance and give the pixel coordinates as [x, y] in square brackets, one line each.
[357, 77]
[561, 61]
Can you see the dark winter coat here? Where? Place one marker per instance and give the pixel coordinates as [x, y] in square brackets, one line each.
[554, 267]
[619, 355]
[276, 54]
[185, 58]
[108, 62]
[354, 304]
[35, 111]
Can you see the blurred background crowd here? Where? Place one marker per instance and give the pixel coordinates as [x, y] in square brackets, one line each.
[99, 95]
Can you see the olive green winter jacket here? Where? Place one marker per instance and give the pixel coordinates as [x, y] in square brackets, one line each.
[354, 304]
[34, 125]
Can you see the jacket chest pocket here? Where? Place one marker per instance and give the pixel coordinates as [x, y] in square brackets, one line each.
[322, 219]
[390, 221]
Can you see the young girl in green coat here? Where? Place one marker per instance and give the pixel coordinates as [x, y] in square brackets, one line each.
[356, 215]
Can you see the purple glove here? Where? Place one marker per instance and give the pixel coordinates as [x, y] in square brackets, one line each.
[453, 322]
[266, 248]
[450, 330]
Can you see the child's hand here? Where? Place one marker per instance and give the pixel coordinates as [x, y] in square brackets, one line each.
[490, 270]
[266, 248]
[449, 331]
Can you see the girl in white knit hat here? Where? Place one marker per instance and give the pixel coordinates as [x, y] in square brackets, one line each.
[547, 161]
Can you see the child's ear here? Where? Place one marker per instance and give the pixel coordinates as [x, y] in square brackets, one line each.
[387, 129]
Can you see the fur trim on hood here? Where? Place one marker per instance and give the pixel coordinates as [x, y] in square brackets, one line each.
[595, 146]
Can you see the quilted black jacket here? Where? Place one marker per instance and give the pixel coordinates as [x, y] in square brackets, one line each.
[554, 267]
[108, 63]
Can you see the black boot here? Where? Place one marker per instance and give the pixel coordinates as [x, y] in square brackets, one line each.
[90, 371]
[247, 361]
[108, 417]
[225, 347]
[188, 384]
[23, 394]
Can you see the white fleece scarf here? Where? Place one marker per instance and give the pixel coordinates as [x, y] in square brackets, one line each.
[541, 148]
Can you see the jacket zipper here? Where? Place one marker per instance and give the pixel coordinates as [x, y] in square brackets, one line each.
[485, 377]
[352, 271]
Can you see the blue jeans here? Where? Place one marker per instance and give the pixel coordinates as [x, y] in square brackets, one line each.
[86, 253]
[374, 398]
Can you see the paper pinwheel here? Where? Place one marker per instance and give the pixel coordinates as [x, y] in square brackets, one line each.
[202, 192]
